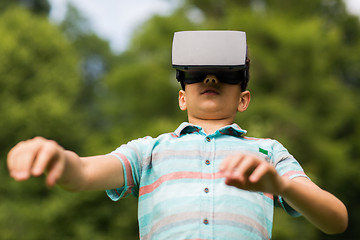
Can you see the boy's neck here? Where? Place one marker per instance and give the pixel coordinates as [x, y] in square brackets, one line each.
[211, 126]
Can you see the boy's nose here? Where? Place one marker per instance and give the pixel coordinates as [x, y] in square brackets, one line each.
[211, 79]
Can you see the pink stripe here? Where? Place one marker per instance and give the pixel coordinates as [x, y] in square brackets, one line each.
[271, 196]
[250, 138]
[166, 223]
[256, 139]
[243, 220]
[175, 176]
[129, 177]
[173, 135]
[237, 126]
[117, 192]
[292, 173]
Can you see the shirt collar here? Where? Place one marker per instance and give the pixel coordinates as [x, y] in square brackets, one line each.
[232, 129]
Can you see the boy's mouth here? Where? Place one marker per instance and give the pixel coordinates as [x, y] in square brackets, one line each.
[210, 91]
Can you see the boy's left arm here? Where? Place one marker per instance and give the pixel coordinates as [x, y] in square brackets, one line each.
[321, 208]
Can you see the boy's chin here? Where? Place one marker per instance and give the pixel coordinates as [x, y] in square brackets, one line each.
[214, 116]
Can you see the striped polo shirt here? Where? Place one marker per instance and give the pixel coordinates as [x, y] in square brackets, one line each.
[181, 193]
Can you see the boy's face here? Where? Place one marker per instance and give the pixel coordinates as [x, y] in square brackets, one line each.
[213, 100]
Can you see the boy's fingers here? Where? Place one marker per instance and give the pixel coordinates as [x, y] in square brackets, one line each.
[33, 157]
[245, 168]
[47, 153]
[223, 165]
[55, 171]
[21, 158]
[11, 159]
[258, 173]
[230, 163]
[227, 163]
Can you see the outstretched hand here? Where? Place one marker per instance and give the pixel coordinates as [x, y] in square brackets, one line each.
[35, 156]
[250, 172]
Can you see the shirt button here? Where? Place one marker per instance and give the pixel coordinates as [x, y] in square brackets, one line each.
[207, 162]
[206, 222]
[208, 139]
[206, 190]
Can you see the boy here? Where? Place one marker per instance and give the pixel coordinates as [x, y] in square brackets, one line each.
[205, 180]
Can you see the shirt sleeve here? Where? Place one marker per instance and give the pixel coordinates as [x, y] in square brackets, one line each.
[286, 165]
[131, 156]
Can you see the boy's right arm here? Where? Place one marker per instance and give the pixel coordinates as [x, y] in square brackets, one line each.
[39, 155]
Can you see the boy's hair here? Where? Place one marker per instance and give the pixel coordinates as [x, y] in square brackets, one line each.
[244, 74]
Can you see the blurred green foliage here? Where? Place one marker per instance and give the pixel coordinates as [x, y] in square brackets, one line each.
[64, 82]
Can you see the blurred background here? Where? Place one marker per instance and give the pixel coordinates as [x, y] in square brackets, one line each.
[61, 79]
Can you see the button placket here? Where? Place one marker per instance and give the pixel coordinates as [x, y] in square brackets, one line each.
[207, 205]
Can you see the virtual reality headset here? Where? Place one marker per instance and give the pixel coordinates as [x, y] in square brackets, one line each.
[198, 53]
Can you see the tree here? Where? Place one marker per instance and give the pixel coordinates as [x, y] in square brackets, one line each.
[39, 79]
[44, 79]
[39, 83]
[41, 7]
[96, 60]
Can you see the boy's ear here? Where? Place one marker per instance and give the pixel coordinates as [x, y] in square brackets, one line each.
[182, 100]
[244, 101]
